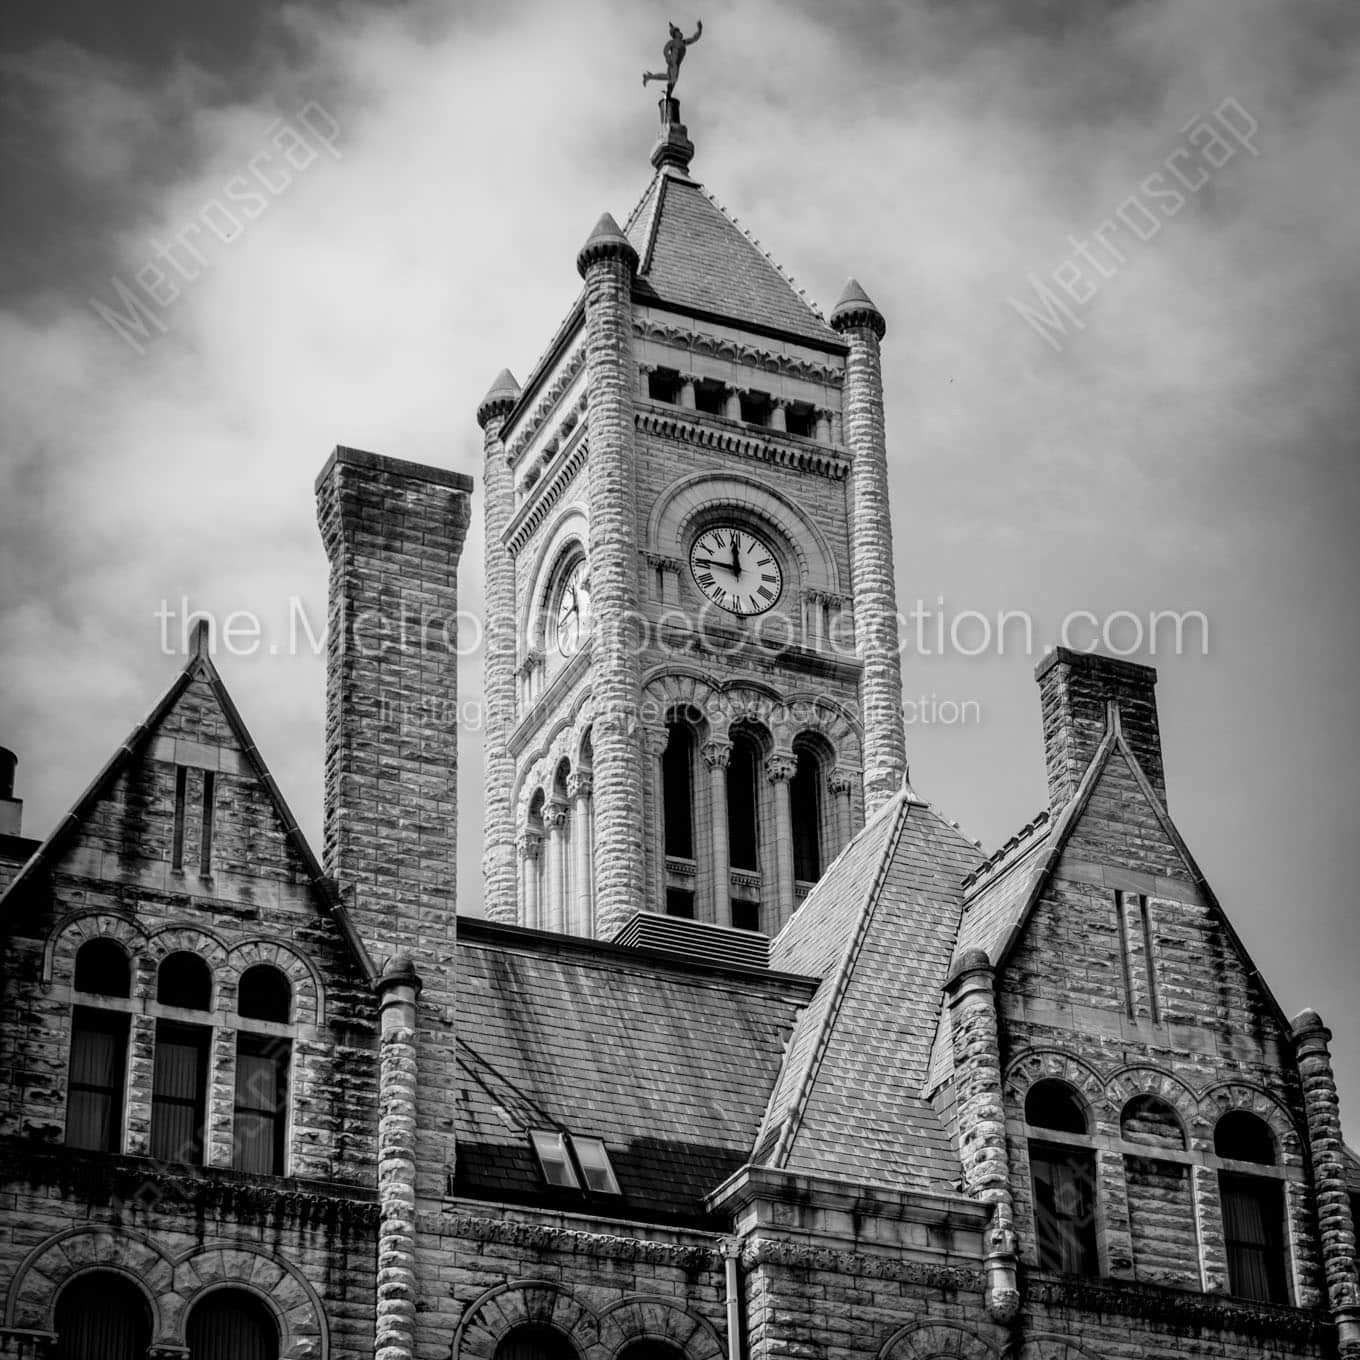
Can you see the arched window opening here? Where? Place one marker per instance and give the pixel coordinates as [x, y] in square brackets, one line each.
[1053, 1104]
[677, 790]
[1064, 1180]
[1253, 1211]
[1243, 1137]
[102, 1316]
[534, 1341]
[261, 1114]
[1153, 1122]
[102, 969]
[647, 1349]
[805, 802]
[231, 1324]
[184, 980]
[264, 994]
[743, 802]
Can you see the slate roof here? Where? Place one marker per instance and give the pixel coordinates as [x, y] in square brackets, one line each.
[849, 1094]
[694, 256]
[198, 668]
[670, 1063]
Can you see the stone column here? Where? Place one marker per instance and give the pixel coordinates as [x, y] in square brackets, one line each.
[779, 414]
[687, 391]
[981, 1113]
[608, 262]
[871, 549]
[644, 373]
[1335, 1222]
[717, 754]
[780, 769]
[732, 403]
[555, 823]
[398, 1077]
[580, 784]
[841, 784]
[823, 425]
[530, 854]
[499, 645]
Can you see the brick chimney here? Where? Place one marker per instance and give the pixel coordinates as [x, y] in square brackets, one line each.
[11, 808]
[1075, 689]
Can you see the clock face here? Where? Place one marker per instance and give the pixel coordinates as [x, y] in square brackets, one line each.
[573, 609]
[736, 569]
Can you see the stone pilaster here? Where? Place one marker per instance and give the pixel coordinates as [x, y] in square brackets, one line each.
[607, 262]
[580, 789]
[499, 651]
[981, 1114]
[871, 550]
[717, 756]
[1335, 1223]
[779, 770]
[398, 1079]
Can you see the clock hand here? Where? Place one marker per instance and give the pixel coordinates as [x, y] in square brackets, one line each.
[736, 561]
[709, 562]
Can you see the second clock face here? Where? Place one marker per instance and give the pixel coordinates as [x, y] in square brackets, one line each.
[736, 569]
[573, 609]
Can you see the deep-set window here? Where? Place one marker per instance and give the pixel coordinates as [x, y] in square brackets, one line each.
[98, 1071]
[184, 980]
[261, 1113]
[102, 1316]
[179, 1092]
[231, 1324]
[1064, 1208]
[103, 969]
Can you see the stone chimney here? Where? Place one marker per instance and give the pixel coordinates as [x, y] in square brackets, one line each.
[1075, 691]
[11, 808]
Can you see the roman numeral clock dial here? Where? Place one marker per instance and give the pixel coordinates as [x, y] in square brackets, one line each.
[736, 569]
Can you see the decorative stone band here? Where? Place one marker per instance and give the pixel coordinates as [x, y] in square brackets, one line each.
[822, 459]
[1178, 1307]
[706, 1255]
[773, 1251]
[660, 562]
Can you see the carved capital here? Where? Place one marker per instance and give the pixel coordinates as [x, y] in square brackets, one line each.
[555, 814]
[580, 784]
[655, 740]
[532, 661]
[530, 845]
[716, 753]
[781, 766]
[841, 780]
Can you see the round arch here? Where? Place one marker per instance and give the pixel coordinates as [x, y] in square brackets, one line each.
[498, 1312]
[62, 945]
[308, 989]
[650, 1318]
[936, 1341]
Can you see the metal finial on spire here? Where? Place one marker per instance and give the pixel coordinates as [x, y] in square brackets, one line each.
[674, 54]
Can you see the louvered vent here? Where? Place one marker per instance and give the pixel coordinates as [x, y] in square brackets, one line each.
[696, 940]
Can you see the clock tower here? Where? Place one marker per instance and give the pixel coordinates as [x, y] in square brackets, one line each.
[693, 677]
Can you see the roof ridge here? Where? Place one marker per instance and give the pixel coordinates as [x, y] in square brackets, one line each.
[1042, 818]
[840, 985]
[774, 264]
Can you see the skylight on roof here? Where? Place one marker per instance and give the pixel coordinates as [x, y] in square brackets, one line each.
[554, 1159]
[595, 1167]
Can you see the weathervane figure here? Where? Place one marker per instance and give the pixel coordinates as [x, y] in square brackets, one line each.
[674, 53]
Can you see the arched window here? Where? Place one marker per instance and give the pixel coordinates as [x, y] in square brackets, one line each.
[184, 980]
[743, 802]
[1161, 1213]
[533, 1341]
[1053, 1104]
[264, 994]
[805, 803]
[1063, 1177]
[677, 790]
[102, 969]
[1253, 1211]
[1153, 1122]
[102, 1316]
[231, 1324]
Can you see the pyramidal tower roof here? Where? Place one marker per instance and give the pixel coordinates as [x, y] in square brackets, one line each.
[695, 257]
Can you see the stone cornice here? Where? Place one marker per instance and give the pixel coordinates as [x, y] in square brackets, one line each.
[1176, 1307]
[723, 347]
[551, 1237]
[786, 451]
[535, 510]
[562, 379]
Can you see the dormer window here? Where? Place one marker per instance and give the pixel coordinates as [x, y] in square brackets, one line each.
[569, 1160]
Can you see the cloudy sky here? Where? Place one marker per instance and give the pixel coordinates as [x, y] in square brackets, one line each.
[1178, 436]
